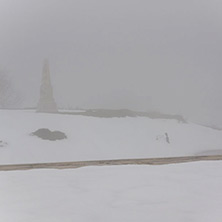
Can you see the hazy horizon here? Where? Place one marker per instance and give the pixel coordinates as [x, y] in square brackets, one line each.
[143, 55]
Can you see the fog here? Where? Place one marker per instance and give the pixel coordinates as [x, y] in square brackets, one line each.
[143, 55]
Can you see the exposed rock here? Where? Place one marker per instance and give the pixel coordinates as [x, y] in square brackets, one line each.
[164, 138]
[3, 143]
[110, 113]
[167, 138]
[47, 134]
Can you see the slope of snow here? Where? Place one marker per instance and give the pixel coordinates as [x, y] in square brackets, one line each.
[169, 193]
[90, 138]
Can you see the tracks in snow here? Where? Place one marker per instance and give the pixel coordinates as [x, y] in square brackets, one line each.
[70, 165]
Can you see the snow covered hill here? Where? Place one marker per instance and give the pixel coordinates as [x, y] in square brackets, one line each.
[92, 138]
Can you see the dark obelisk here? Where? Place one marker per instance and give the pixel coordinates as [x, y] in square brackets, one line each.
[46, 102]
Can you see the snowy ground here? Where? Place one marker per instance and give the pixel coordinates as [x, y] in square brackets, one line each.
[91, 138]
[169, 193]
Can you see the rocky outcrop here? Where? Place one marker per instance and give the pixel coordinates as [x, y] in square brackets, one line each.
[47, 134]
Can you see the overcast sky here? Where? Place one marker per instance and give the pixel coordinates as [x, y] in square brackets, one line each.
[138, 54]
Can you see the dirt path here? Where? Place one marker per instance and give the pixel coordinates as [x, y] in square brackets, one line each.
[69, 165]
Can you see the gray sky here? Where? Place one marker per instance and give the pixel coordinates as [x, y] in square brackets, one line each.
[144, 55]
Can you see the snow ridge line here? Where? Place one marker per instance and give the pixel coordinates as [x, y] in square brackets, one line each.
[70, 165]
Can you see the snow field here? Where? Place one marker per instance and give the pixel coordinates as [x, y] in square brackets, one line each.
[168, 193]
[91, 138]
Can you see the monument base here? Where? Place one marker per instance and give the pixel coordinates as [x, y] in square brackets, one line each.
[47, 108]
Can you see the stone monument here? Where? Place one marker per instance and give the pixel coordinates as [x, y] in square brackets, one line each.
[46, 102]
